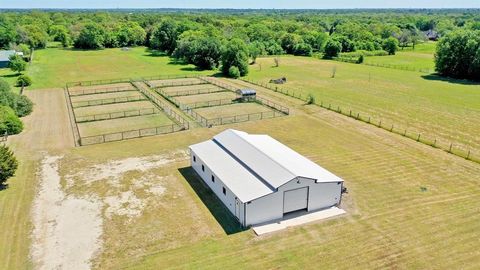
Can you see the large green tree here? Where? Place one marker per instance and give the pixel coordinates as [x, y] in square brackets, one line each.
[235, 54]
[390, 45]
[92, 36]
[8, 164]
[332, 49]
[9, 122]
[458, 55]
[165, 36]
[199, 49]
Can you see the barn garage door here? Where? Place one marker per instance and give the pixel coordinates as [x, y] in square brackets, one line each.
[295, 200]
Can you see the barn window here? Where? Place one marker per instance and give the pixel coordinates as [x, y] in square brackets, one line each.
[224, 191]
[194, 159]
[213, 179]
[203, 168]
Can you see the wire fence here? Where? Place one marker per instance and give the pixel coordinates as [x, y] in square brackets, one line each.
[117, 115]
[174, 84]
[132, 134]
[219, 84]
[97, 102]
[191, 92]
[207, 103]
[209, 122]
[127, 80]
[353, 60]
[72, 118]
[457, 149]
[83, 92]
[160, 104]
[97, 82]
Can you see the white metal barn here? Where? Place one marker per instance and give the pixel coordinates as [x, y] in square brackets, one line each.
[259, 179]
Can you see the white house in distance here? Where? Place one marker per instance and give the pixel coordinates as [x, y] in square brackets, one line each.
[260, 180]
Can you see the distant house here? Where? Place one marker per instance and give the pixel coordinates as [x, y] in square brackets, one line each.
[5, 58]
[259, 179]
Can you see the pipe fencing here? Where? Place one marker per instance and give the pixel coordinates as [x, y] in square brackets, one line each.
[131, 134]
[98, 102]
[457, 149]
[116, 115]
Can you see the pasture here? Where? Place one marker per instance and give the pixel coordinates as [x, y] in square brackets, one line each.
[420, 59]
[437, 108]
[135, 204]
[408, 204]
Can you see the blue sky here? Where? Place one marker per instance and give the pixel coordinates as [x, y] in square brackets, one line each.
[279, 4]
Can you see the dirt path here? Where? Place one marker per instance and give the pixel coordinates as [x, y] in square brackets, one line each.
[46, 129]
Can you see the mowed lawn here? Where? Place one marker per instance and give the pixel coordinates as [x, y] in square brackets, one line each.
[419, 59]
[439, 108]
[391, 222]
[53, 67]
[408, 205]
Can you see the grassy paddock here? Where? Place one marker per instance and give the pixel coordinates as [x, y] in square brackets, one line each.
[446, 109]
[232, 110]
[205, 97]
[123, 124]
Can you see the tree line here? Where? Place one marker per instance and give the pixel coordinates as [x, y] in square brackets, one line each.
[207, 38]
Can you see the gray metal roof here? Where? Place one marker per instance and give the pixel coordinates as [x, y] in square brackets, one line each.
[268, 162]
[246, 92]
[5, 55]
[235, 176]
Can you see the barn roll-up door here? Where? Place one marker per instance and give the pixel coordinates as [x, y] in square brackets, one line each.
[294, 200]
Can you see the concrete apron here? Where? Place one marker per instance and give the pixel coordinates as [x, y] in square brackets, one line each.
[296, 219]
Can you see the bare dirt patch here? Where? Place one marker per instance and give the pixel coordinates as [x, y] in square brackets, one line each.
[67, 228]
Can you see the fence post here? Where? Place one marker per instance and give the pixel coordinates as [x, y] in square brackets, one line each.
[450, 149]
[468, 155]
[434, 142]
[418, 138]
[391, 129]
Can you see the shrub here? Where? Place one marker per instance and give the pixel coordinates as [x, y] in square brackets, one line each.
[332, 49]
[20, 104]
[9, 121]
[310, 99]
[8, 164]
[17, 64]
[303, 49]
[391, 45]
[234, 72]
[360, 59]
[24, 106]
[23, 80]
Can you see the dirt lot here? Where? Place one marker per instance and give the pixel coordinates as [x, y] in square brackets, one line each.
[206, 97]
[112, 108]
[80, 89]
[199, 87]
[175, 82]
[123, 124]
[232, 110]
[79, 99]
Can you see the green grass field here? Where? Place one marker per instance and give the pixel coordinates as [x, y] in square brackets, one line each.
[410, 206]
[123, 124]
[446, 109]
[420, 59]
[53, 67]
